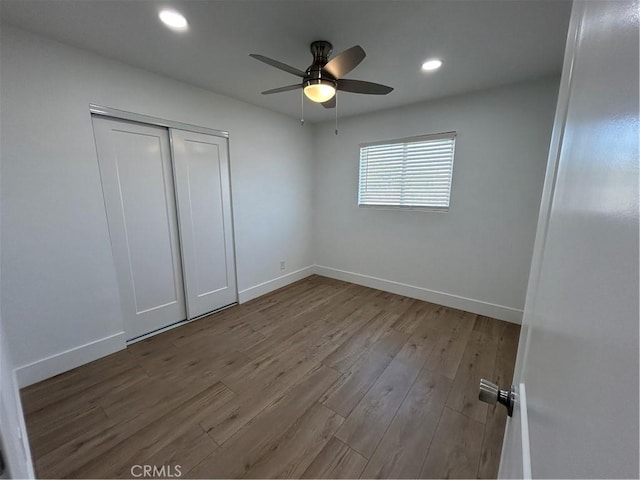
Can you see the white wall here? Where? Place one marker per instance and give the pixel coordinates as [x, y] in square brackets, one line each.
[59, 291]
[476, 256]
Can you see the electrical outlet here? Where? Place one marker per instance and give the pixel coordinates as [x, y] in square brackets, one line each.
[282, 265]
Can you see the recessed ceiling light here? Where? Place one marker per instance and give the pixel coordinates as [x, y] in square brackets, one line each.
[431, 65]
[173, 19]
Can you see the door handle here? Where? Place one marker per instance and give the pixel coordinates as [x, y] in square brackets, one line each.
[490, 393]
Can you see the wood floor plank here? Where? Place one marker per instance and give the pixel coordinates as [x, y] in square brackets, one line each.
[332, 315]
[153, 343]
[285, 368]
[234, 415]
[186, 451]
[345, 394]
[352, 323]
[222, 339]
[307, 325]
[224, 322]
[348, 353]
[63, 414]
[415, 316]
[277, 297]
[200, 368]
[162, 390]
[279, 375]
[439, 318]
[156, 436]
[271, 318]
[446, 356]
[60, 462]
[477, 362]
[48, 440]
[295, 451]
[402, 450]
[336, 460]
[217, 337]
[257, 390]
[180, 456]
[496, 414]
[455, 449]
[93, 442]
[489, 326]
[319, 309]
[367, 423]
[300, 329]
[238, 455]
[390, 302]
[70, 383]
[491, 448]
[139, 398]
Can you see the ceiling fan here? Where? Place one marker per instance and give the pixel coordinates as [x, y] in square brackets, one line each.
[323, 77]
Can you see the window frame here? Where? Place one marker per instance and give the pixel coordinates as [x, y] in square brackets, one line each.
[451, 135]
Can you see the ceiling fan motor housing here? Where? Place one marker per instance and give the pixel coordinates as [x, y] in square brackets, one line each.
[321, 51]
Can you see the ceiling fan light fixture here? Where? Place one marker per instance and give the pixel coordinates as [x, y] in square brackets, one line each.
[431, 65]
[319, 91]
[173, 19]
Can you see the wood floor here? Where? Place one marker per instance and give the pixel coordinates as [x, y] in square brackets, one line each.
[321, 379]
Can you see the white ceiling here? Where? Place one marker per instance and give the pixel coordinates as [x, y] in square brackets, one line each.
[483, 43]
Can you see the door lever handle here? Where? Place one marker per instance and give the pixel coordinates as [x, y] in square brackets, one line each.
[490, 393]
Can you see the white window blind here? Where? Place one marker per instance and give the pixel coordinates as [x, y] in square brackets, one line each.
[408, 173]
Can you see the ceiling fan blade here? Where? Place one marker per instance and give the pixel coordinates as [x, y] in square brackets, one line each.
[360, 86]
[282, 89]
[278, 65]
[344, 62]
[331, 103]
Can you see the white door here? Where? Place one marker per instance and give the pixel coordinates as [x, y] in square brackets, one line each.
[578, 353]
[137, 179]
[201, 165]
[14, 445]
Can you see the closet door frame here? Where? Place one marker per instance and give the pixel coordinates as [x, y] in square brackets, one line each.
[159, 122]
[170, 124]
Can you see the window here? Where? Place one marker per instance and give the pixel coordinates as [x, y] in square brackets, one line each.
[408, 173]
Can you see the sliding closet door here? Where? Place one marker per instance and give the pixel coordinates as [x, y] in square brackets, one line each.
[135, 166]
[201, 166]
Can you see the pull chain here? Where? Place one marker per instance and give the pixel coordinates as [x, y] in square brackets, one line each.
[336, 112]
[301, 108]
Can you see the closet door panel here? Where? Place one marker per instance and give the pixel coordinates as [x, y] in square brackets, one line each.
[201, 168]
[205, 190]
[135, 166]
[146, 219]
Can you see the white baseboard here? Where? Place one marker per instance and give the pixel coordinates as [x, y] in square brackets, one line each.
[479, 307]
[271, 285]
[69, 359]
